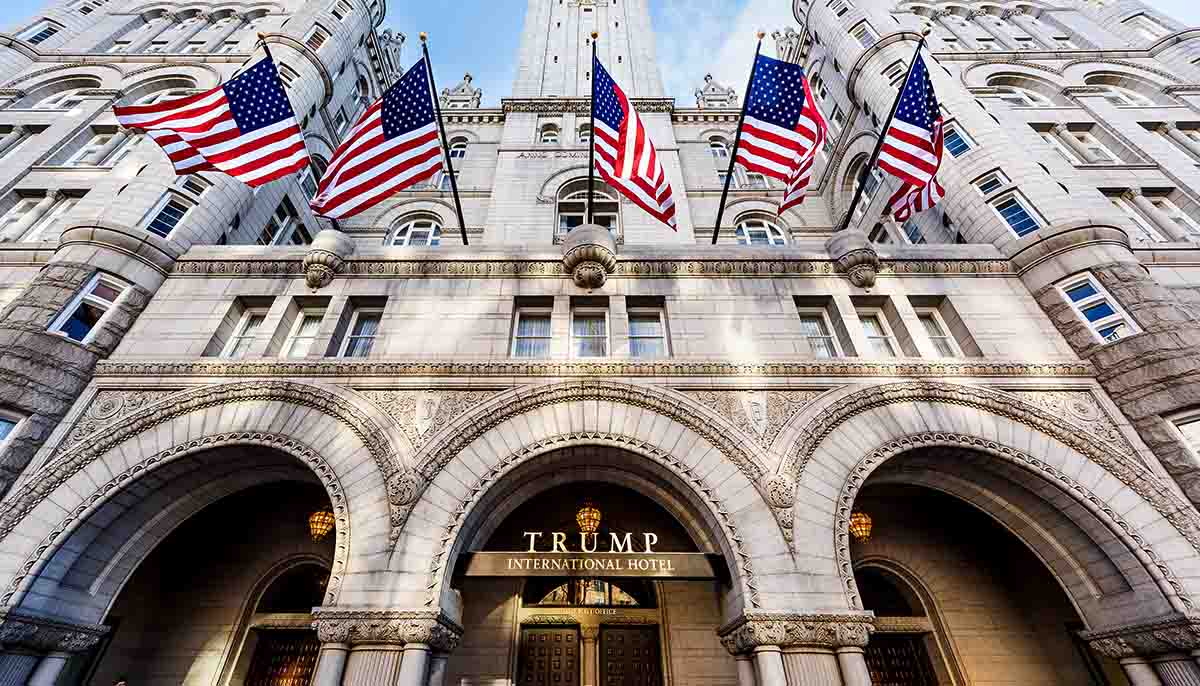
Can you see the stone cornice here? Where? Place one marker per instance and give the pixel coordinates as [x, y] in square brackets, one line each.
[806, 367]
[626, 267]
[579, 105]
[1166, 635]
[788, 630]
[19, 629]
[356, 626]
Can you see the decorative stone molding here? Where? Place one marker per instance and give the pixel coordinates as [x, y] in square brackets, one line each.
[1126, 64]
[806, 367]
[464, 95]
[713, 94]
[453, 527]
[67, 463]
[297, 449]
[903, 625]
[855, 257]
[579, 105]
[1177, 511]
[1179, 634]
[761, 414]
[551, 620]
[421, 414]
[589, 255]
[22, 630]
[110, 407]
[326, 257]
[1082, 409]
[787, 43]
[786, 630]
[356, 626]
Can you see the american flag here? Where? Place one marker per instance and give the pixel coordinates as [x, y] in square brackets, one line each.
[245, 128]
[393, 145]
[783, 130]
[625, 155]
[912, 147]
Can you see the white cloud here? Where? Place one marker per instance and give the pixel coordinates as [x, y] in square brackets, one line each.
[696, 37]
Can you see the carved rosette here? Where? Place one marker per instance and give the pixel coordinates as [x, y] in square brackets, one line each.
[786, 630]
[22, 630]
[326, 257]
[589, 255]
[1179, 634]
[355, 626]
[854, 256]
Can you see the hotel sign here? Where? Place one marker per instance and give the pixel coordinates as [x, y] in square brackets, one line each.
[618, 557]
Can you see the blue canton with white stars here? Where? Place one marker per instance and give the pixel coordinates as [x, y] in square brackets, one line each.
[257, 98]
[777, 93]
[407, 105]
[918, 104]
[604, 89]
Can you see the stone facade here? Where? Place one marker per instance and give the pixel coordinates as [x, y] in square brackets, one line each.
[170, 345]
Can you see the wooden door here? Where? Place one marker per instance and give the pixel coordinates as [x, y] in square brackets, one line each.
[284, 658]
[629, 656]
[549, 657]
[899, 660]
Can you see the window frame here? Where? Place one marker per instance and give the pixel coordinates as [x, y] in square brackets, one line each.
[1101, 295]
[85, 295]
[37, 29]
[355, 315]
[1172, 210]
[294, 333]
[1177, 421]
[823, 314]
[742, 234]
[518, 313]
[12, 418]
[889, 335]
[435, 233]
[661, 313]
[1134, 214]
[590, 311]
[239, 332]
[317, 32]
[936, 316]
[1015, 197]
[167, 199]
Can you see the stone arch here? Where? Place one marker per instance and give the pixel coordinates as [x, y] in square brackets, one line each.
[994, 67]
[98, 71]
[401, 208]
[840, 445]
[1078, 71]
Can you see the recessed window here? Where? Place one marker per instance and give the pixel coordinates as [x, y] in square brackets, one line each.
[363, 330]
[912, 232]
[880, 234]
[33, 215]
[938, 333]
[896, 72]
[8, 424]
[1147, 28]
[572, 207]
[840, 7]
[341, 9]
[1050, 138]
[196, 185]
[245, 334]
[837, 119]
[458, 148]
[985, 44]
[1176, 215]
[63, 100]
[40, 32]
[951, 44]
[420, 232]
[1014, 213]
[531, 332]
[168, 215]
[84, 314]
[1144, 231]
[1125, 97]
[759, 231]
[228, 47]
[589, 332]
[990, 183]
[549, 133]
[317, 37]
[284, 227]
[864, 34]
[956, 142]
[1021, 97]
[879, 336]
[1093, 305]
[818, 331]
[1065, 43]
[585, 134]
[303, 333]
[157, 46]
[1188, 424]
[647, 333]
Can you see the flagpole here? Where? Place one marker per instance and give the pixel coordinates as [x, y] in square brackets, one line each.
[437, 106]
[592, 133]
[862, 181]
[737, 139]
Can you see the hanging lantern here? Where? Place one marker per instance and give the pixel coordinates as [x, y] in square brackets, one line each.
[588, 518]
[860, 526]
[320, 523]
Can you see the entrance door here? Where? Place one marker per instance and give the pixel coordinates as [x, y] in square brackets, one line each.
[549, 657]
[899, 660]
[284, 658]
[629, 656]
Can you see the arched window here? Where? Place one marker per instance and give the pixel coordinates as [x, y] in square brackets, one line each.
[549, 133]
[1021, 97]
[420, 231]
[1125, 97]
[759, 230]
[64, 100]
[160, 96]
[585, 134]
[296, 591]
[719, 149]
[551, 592]
[458, 148]
[572, 207]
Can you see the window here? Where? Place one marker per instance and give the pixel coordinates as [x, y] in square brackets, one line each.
[196, 185]
[303, 334]
[341, 9]
[64, 100]
[1187, 423]
[168, 215]
[950, 44]
[248, 329]
[759, 231]
[896, 72]
[647, 333]
[870, 186]
[840, 7]
[1147, 28]
[585, 134]
[572, 207]
[1021, 97]
[458, 148]
[284, 227]
[864, 34]
[340, 120]
[316, 38]
[990, 183]
[531, 333]
[837, 119]
[880, 234]
[1019, 219]
[443, 181]
[26, 209]
[755, 181]
[119, 47]
[1144, 232]
[548, 134]
[879, 336]
[84, 314]
[1050, 138]
[1096, 308]
[935, 328]
[1124, 97]
[421, 232]
[157, 46]
[589, 332]
[229, 46]
[589, 593]
[364, 329]
[816, 329]
[1175, 214]
[1065, 43]
[8, 423]
[912, 231]
[955, 141]
[193, 47]
[985, 44]
[39, 32]
[818, 86]
[719, 149]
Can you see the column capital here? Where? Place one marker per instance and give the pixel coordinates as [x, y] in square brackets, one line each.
[355, 626]
[786, 630]
[1157, 637]
[46, 634]
[1059, 128]
[1168, 126]
[54, 194]
[1132, 193]
[589, 633]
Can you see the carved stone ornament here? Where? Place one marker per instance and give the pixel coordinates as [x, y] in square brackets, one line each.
[551, 620]
[589, 255]
[855, 256]
[1083, 410]
[786, 630]
[464, 95]
[787, 42]
[107, 408]
[761, 414]
[1178, 634]
[356, 626]
[326, 257]
[421, 414]
[714, 95]
[23, 630]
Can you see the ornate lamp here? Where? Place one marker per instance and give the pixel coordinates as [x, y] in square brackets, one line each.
[320, 523]
[860, 526]
[588, 518]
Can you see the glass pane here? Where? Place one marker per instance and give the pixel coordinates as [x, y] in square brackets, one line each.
[1190, 431]
[537, 325]
[241, 345]
[595, 592]
[882, 347]
[645, 325]
[591, 347]
[532, 347]
[1083, 290]
[106, 292]
[6, 427]
[366, 324]
[252, 324]
[620, 597]
[1115, 332]
[942, 344]
[822, 346]
[813, 326]
[588, 325]
[871, 326]
[82, 321]
[647, 347]
[1098, 311]
[931, 325]
[359, 347]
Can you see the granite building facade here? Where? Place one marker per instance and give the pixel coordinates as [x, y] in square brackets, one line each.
[239, 445]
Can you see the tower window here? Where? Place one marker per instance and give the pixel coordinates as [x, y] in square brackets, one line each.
[1097, 309]
[88, 310]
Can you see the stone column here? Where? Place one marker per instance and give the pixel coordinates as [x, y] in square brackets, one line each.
[1157, 217]
[1177, 670]
[373, 664]
[745, 670]
[799, 650]
[437, 669]
[415, 666]
[769, 663]
[331, 664]
[1169, 128]
[15, 668]
[49, 668]
[31, 219]
[853, 664]
[1064, 135]
[198, 23]
[37, 648]
[219, 40]
[1157, 653]
[153, 30]
[10, 140]
[381, 647]
[811, 666]
[590, 654]
[108, 148]
[1139, 672]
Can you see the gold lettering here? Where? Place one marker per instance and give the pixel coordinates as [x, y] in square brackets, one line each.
[583, 542]
[532, 536]
[560, 542]
[651, 539]
[619, 547]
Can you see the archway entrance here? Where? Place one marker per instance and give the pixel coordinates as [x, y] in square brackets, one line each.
[589, 582]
